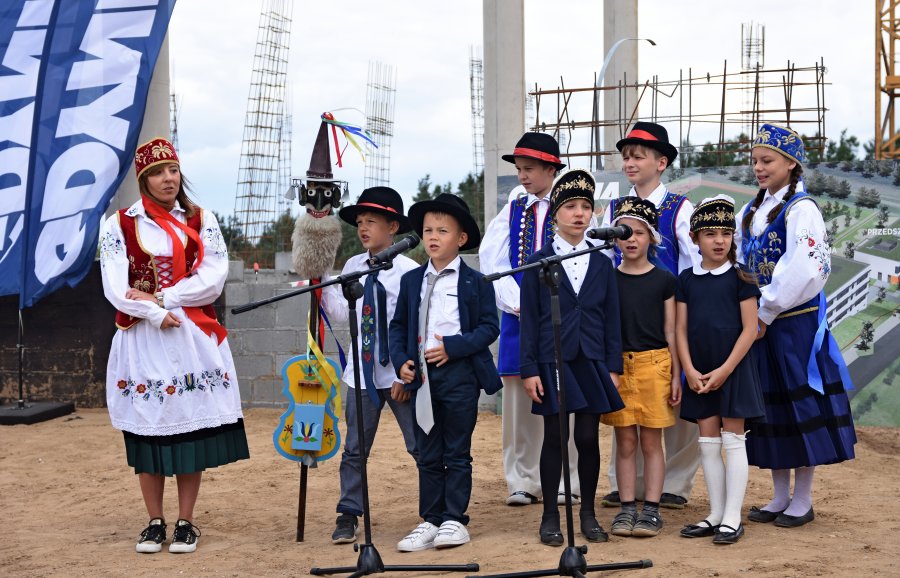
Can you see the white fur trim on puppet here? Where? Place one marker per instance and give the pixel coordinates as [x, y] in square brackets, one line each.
[315, 244]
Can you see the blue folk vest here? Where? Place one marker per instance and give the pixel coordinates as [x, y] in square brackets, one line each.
[667, 251]
[523, 234]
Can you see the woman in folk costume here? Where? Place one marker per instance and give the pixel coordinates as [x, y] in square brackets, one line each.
[781, 238]
[171, 384]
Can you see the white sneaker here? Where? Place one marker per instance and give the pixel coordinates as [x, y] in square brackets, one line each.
[422, 538]
[561, 499]
[451, 534]
[521, 498]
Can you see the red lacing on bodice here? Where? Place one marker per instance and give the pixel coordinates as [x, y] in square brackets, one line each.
[163, 270]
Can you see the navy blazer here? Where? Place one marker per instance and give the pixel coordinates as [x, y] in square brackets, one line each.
[590, 319]
[478, 320]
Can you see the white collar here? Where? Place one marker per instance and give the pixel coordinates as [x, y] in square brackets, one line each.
[567, 247]
[452, 266]
[698, 270]
[138, 209]
[656, 197]
[779, 195]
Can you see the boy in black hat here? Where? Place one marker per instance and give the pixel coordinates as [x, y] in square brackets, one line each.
[445, 322]
[521, 228]
[377, 216]
[646, 153]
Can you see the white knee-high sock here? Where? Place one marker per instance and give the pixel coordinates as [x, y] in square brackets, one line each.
[714, 472]
[736, 473]
[781, 499]
[801, 501]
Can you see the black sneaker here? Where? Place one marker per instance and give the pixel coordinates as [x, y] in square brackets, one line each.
[345, 529]
[184, 538]
[152, 537]
[611, 500]
[672, 502]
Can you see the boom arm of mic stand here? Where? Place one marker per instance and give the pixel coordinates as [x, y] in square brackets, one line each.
[546, 262]
[347, 277]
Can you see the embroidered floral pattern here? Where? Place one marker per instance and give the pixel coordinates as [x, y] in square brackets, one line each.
[818, 251]
[110, 246]
[368, 332]
[215, 241]
[524, 245]
[160, 389]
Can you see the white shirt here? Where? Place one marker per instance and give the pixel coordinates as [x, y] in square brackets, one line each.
[724, 267]
[443, 313]
[335, 306]
[688, 253]
[576, 267]
[494, 249]
[803, 268]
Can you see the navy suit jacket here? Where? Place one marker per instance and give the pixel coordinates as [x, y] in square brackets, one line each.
[590, 319]
[477, 318]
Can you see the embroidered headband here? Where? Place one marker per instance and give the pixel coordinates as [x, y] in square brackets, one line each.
[714, 213]
[781, 139]
[154, 152]
[640, 209]
[572, 184]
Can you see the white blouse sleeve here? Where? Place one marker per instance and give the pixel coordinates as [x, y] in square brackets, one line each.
[493, 255]
[206, 283]
[738, 234]
[114, 273]
[333, 301]
[688, 252]
[801, 272]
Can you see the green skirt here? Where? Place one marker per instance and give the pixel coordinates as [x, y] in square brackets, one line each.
[187, 453]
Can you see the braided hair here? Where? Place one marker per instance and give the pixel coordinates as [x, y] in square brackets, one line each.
[796, 173]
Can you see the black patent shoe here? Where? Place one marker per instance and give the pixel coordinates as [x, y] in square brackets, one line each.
[592, 530]
[762, 516]
[785, 521]
[702, 529]
[550, 532]
[727, 534]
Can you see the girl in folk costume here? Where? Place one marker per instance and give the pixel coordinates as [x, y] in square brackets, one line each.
[782, 240]
[591, 350]
[716, 326]
[171, 383]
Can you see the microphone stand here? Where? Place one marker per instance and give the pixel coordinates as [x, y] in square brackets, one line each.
[369, 560]
[572, 562]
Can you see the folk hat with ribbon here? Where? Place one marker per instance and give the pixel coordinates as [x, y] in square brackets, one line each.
[452, 205]
[572, 184]
[640, 209]
[382, 200]
[154, 152]
[781, 139]
[714, 213]
[651, 135]
[537, 145]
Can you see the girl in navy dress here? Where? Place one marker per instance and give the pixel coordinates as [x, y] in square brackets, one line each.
[716, 326]
[591, 350]
[803, 376]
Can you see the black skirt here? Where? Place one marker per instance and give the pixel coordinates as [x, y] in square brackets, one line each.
[187, 453]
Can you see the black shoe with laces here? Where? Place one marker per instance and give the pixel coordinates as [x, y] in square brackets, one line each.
[345, 529]
[184, 538]
[153, 537]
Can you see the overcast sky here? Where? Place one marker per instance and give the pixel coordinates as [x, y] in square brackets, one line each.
[212, 45]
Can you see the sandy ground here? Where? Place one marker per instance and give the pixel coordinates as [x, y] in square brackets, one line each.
[71, 507]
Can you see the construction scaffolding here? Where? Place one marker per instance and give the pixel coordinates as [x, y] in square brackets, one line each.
[173, 119]
[694, 103]
[380, 98]
[476, 92]
[753, 58]
[284, 162]
[887, 79]
[258, 173]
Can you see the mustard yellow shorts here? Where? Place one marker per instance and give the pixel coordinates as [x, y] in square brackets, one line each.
[645, 387]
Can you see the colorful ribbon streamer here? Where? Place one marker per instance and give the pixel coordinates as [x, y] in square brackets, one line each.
[349, 131]
[834, 352]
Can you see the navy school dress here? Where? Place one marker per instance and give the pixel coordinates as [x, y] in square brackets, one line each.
[591, 338]
[804, 427]
[714, 324]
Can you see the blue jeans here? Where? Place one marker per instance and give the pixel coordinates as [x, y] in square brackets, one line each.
[445, 454]
[351, 482]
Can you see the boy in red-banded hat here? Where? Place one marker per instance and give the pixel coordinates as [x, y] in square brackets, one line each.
[646, 153]
[521, 228]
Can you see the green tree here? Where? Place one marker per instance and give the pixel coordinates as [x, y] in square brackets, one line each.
[849, 249]
[868, 198]
[847, 220]
[831, 185]
[842, 150]
[857, 212]
[883, 215]
[897, 176]
[423, 190]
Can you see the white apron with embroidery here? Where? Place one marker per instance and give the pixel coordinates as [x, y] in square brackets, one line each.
[167, 381]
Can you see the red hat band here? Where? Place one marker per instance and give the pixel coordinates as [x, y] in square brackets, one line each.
[641, 134]
[534, 153]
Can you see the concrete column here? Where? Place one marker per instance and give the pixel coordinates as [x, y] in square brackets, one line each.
[156, 123]
[504, 91]
[620, 20]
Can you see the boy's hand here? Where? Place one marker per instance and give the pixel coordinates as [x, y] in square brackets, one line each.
[437, 355]
[170, 320]
[136, 295]
[398, 393]
[533, 388]
[762, 329]
[407, 372]
[516, 312]
[694, 380]
[676, 391]
[615, 378]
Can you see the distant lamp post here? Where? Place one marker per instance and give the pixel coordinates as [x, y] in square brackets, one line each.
[599, 84]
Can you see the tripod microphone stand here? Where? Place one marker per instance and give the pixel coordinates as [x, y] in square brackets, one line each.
[369, 560]
[572, 562]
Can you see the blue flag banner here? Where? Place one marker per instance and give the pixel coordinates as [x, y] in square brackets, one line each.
[74, 76]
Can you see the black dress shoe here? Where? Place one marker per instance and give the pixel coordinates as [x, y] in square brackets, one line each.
[785, 521]
[729, 535]
[701, 530]
[550, 533]
[672, 501]
[762, 516]
[592, 530]
[611, 500]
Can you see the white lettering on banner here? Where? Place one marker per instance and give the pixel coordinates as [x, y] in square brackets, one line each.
[24, 57]
[13, 161]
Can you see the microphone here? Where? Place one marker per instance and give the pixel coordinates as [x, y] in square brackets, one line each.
[607, 233]
[399, 247]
